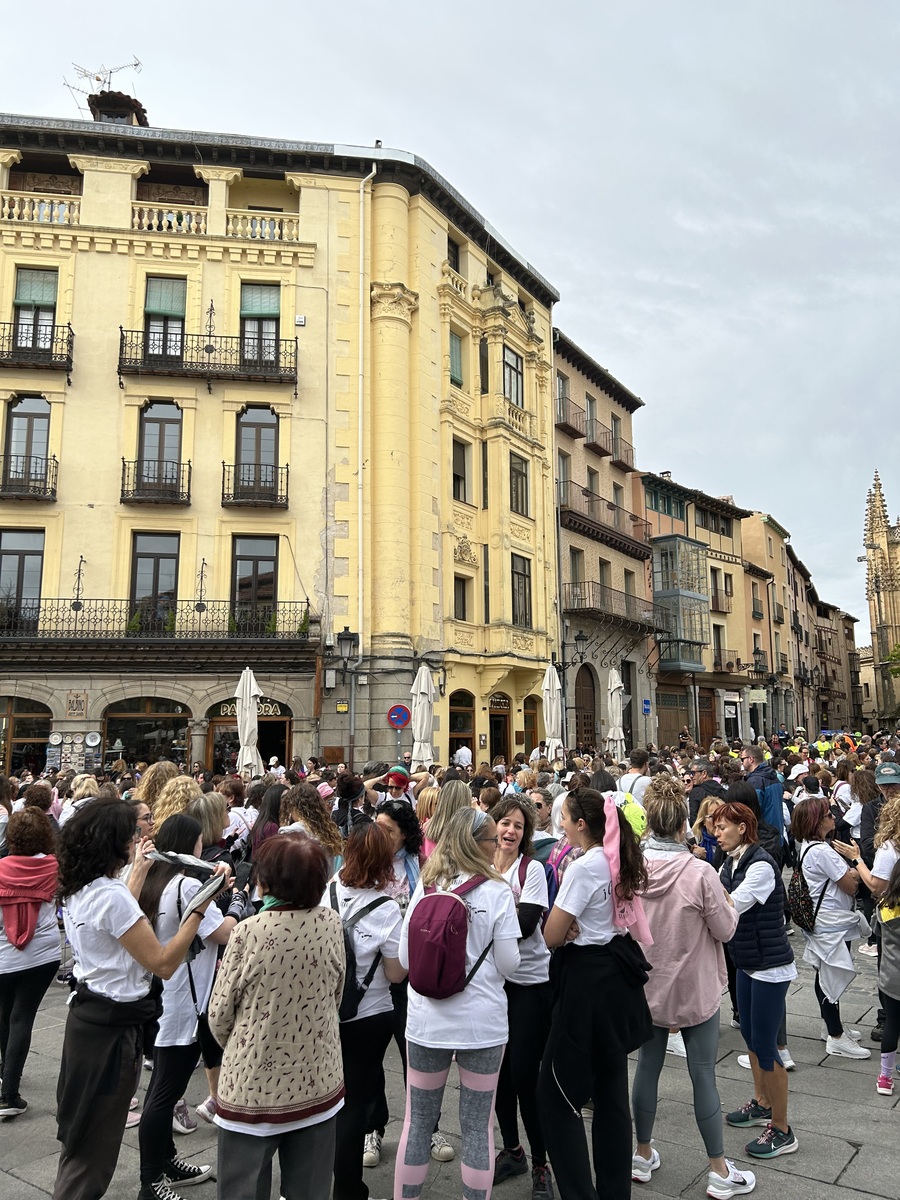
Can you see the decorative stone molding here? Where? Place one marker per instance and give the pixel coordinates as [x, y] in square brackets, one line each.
[522, 532]
[463, 519]
[219, 174]
[463, 637]
[464, 552]
[9, 158]
[32, 181]
[455, 403]
[117, 166]
[523, 643]
[393, 301]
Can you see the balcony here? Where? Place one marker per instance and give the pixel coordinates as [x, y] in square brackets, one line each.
[607, 605]
[49, 348]
[585, 512]
[783, 668]
[254, 485]
[622, 454]
[597, 437]
[795, 623]
[778, 614]
[757, 611]
[856, 696]
[154, 482]
[720, 602]
[569, 417]
[262, 226]
[26, 477]
[39, 210]
[853, 660]
[680, 656]
[156, 218]
[263, 360]
[726, 660]
[168, 636]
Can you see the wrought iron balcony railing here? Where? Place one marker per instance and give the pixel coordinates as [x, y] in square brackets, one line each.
[757, 611]
[622, 454]
[726, 660]
[592, 598]
[27, 477]
[783, 668]
[159, 620]
[597, 437]
[719, 601]
[254, 485]
[569, 417]
[778, 614]
[45, 347]
[580, 506]
[149, 481]
[202, 356]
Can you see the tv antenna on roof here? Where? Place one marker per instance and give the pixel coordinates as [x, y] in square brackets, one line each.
[97, 81]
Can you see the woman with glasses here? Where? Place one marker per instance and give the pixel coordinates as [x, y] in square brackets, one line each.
[472, 1023]
[600, 1013]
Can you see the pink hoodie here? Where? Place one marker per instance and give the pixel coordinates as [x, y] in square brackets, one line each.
[690, 917]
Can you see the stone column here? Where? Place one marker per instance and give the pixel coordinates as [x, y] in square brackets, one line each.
[198, 728]
[218, 180]
[8, 159]
[745, 714]
[108, 190]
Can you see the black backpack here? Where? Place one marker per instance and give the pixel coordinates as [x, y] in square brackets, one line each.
[800, 900]
[353, 991]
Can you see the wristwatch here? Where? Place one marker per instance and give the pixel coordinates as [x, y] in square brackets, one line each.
[854, 862]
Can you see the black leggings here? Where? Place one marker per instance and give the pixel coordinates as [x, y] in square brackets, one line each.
[363, 1045]
[891, 1035]
[529, 1023]
[172, 1070]
[831, 1013]
[21, 993]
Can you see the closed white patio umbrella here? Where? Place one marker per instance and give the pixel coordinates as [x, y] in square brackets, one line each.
[247, 693]
[422, 709]
[551, 691]
[615, 735]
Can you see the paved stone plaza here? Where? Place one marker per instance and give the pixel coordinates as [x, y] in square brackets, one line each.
[849, 1135]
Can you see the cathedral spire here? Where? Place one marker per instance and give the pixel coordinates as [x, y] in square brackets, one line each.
[876, 510]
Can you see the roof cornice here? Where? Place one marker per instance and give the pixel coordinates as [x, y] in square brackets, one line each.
[570, 353]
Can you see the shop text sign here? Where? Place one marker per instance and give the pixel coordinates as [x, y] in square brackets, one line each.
[264, 708]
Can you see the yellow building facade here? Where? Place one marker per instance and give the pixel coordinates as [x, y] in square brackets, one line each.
[239, 378]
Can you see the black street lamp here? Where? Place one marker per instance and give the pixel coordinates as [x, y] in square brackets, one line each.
[347, 644]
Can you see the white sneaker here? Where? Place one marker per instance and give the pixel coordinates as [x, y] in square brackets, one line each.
[850, 1033]
[867, 950]
[738, 1183]
[206, 1110]
[846, 1047]
[643, 1168]
[744, 1061]
[675, 1045]
[372, 1149]
[786, 1061]
[441, 1150]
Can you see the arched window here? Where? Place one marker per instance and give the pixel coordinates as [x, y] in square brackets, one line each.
[146, 729]
[585, 707]
[462, 722]
[24, 729]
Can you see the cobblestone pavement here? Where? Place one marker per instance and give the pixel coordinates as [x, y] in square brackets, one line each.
[849, 1135]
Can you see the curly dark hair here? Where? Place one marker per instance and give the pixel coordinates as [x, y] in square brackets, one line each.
[587, 805]
[95, 842]
[29, 832]
[401, 813]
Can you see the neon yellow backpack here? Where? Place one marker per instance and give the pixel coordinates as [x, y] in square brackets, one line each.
[634, 815]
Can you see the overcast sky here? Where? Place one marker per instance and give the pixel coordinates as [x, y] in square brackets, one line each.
[712, 186]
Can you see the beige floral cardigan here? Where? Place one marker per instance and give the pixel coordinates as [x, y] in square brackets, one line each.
[274, 1010]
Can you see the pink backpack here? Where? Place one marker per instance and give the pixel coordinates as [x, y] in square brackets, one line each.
[438, 928]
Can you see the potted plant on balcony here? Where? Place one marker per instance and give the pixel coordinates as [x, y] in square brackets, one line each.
[303, 627]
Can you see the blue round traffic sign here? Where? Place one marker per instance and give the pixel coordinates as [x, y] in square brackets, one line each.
[399, 716]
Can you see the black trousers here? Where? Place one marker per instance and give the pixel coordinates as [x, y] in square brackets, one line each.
[21, 993]
[363, 1046]
[529, 1024]
[172, 1070]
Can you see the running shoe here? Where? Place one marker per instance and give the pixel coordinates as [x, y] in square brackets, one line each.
[508, 1164]
[867, 950]
[772, 1142]
[207, 1110]
[885, 1085]
[786, 1061]
[441, 1150]
[182, 1121]
[736, 1183]
[642, 1168]
[850, 1033]
[372, 1149]
[12, 1106]
[752, 1113]
[846, 1047]
[185, 1174]
[675, 1045]
[133, 1119]
[541, 1183]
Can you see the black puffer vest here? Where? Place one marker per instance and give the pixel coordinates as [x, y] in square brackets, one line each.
[759, 941]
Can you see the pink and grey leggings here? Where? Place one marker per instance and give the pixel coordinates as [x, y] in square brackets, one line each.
[426, 1077]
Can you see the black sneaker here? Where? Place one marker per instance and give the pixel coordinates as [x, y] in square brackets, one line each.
[752, 1113]
[12, 1106]
[509, 1163]
[877, 1032]
[541, 1183]
[772, 1142]
[185, 1174]
[159, 1190]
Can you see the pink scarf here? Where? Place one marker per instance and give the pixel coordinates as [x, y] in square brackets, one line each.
[627, 914]
[26, 882]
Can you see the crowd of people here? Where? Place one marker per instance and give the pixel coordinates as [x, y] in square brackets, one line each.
[536, 921]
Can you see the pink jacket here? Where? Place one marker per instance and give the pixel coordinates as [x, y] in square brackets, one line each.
[690, 917]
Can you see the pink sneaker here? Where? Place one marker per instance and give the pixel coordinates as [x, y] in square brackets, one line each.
[133, 1118]
[207, 1110]
[885, 1085]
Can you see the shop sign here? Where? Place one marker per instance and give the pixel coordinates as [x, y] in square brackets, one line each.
[499, 703]
[342, 706]
[76, 705]
[757, 696]
[736, 696]
[264, 708]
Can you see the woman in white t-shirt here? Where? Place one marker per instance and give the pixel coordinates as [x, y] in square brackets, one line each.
[600, 1013]
[528, 996]
[116, 955]
[470, 1023]
[832, 886]
[360, 891]
[183, 1032]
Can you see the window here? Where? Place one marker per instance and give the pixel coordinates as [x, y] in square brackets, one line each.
[593, 481]
[518, 485]
[486, 579]
[484, 369]
[562, 387]
[260, 315]
[521, 591]
[21, 568]
[164, 317]
[729, 584]
[453, 254]
[771, 548]
[461, 452]
[460, 598]
[713, 522]
[154, 580]
[615, 425]
[484, 474]
[866, 690]
[513, 377]
[576, 565]
[35, 305]
[254, 584]
[590, 408]
[456, 359]
[669, 506]
[604, 568]
[27, 442]
[159, 454]
[630, 581]
[563, 475]
[257, 451]
[618, 495]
